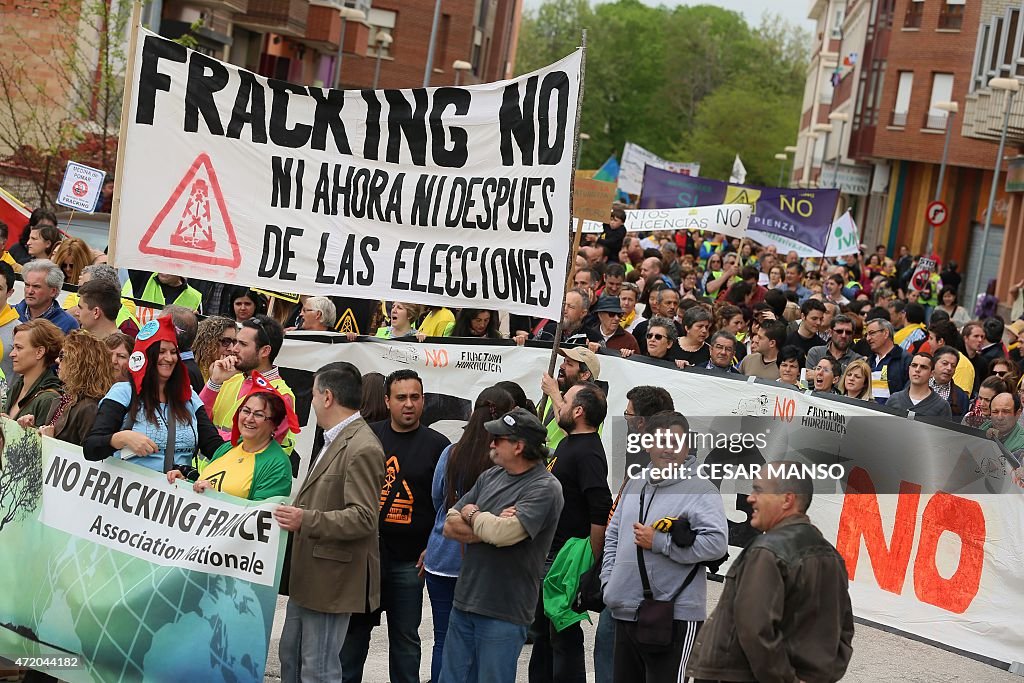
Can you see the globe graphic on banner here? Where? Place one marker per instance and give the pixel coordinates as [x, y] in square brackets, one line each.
[158, 619]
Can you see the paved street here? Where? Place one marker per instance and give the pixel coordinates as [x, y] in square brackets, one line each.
[877, 656]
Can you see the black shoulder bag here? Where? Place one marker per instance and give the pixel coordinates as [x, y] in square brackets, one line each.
[654, 617]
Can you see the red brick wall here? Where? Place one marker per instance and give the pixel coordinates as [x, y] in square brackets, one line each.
[925, 51]
[409, 51]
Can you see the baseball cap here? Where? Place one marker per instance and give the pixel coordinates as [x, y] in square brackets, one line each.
[581, 354]
[519, 423]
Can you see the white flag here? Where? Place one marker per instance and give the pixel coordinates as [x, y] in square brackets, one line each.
[739, 173]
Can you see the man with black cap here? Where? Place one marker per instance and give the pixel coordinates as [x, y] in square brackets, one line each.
[507, 521]
[607, 332]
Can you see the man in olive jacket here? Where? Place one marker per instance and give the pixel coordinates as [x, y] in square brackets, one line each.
[785, 613]
[335, 562]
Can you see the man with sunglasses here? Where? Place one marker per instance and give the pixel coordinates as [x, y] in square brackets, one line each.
[839, 345]
[255, 347]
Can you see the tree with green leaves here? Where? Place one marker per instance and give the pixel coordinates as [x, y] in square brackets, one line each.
[659, 76]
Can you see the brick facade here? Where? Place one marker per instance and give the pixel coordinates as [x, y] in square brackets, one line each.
[926, 51]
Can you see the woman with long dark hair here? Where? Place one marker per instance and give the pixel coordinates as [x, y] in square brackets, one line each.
[474, 322]
[156, 419]
[373, 407]
[456, 472]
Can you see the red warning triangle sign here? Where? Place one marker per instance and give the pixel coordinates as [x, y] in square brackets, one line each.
[194, 224]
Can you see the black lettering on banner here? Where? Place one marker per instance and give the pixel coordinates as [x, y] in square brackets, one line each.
[515, 119]
[393, 212]
[322, 279]
[484, 280]
[458, 196]
[437, 199]
[399, 266]
[281, 181]
[155, 48]
[547, 262]
[414, 284]
[280, 133]
[339, 188]
[371, 143]
[500, 273]
[327, 116]
[420, 212]
[367, 247]
[454, 157]
[547, 191]
[451, 288]
[199, 93]
[272, 244]
[473, 183]
[436, 268]
[347, 256]
[490, 186]
[287, 253]
[321, 195]
[250, 107]
[468, 288]
[556, 82]
[404, 122]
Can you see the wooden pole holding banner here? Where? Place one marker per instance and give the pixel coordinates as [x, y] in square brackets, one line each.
[571, 256]
[126, 110]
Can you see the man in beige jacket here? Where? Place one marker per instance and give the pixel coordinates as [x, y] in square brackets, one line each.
[335, 561]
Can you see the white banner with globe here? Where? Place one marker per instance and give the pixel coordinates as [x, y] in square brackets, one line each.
[87, 599]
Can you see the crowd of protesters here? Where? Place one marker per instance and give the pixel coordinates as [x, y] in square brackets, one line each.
[179, 376]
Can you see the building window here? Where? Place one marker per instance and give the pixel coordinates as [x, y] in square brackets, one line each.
[381, 20]
[837, 25]
[951, 16]
[942, 91]
[915, 10]
[899, 110]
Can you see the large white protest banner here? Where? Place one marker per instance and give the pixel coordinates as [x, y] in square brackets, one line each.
[635, 157]
[729, 219]
[927, 515]
[455, 196]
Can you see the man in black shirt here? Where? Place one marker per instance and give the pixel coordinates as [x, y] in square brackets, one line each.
[805, 337]
[407, 514]
[580, 466]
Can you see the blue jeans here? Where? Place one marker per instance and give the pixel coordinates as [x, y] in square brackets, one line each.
[441, 590]
[401, 593]
[604, 641]
[480, 649]
[310, 643]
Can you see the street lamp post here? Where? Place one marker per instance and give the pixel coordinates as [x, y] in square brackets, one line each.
[791, 149]
[460, 66]
[433, 41]
[842, 118]
[821, 129]
[950, 108]
[347, 14]
[583, 137]
[782, 165]
[383, 40]
[1010, 86]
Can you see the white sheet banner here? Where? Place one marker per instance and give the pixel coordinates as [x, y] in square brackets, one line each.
[941, 562]
[451, 196]
[635, 157]
[127, 509]
[843, 239]
[730, 219]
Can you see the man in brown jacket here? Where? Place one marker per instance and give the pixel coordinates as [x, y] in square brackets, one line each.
[785, 612]
[335, 561]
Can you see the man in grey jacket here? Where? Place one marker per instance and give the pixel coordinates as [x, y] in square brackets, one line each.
[668, 489]
[918, 397]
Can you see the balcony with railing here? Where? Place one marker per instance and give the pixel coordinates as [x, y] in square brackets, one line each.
[285, 17]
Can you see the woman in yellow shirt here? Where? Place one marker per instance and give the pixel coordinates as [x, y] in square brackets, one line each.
[252, 464]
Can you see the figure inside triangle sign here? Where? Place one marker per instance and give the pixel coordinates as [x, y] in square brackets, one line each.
[194, 224]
